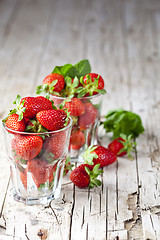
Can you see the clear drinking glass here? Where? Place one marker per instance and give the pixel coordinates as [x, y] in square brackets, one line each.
[37, 180]
[85, 126]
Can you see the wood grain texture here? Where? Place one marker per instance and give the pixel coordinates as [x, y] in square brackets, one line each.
[121, 38]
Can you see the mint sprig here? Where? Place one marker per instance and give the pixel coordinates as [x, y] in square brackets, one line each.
[120, 121]
[79, 69]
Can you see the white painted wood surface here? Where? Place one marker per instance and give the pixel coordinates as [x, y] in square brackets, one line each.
[121, 38]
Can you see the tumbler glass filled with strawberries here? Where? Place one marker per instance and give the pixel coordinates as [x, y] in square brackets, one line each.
[37, 139]
[76, 89]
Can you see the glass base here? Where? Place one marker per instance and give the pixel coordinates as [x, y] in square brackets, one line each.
[44, 200]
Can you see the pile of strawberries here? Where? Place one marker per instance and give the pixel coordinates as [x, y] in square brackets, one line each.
[37, 153]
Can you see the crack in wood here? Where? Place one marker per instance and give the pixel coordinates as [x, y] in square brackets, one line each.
[134, 225]
[87, 232]
[26, 232]
[71, 216]
[83, 214]
[117, 195]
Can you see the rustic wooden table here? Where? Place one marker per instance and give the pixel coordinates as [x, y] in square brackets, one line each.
[121, 39]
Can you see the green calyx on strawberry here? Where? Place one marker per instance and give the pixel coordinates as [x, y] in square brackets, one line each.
[92, 84]
[35, 127]
[20, 109]
[86, 176]
[52, 85]
[123, 145]
[71, 86]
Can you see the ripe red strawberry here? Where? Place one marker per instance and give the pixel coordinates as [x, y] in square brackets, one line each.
[41, 171]
[116, 146]
[86, 176]
[77, 139]
[34, 105]
[75, 107]
[88, 117]
[94, 83]
[122, 145]
[99, 155]
[13, 123]
[23, 177]
[54, 119]
[28, 147]
[54, 146]
[59, 84]
[52, 85]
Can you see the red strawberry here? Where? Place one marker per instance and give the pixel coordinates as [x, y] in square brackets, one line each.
[54, 119]
[41, 171]
[28, 147]
[52, 85]
[59, 84]
[88, 117]
[85, 176]
[13, 123]
[77, 139]
[99, 155]
[75, 107]
[123, 145]
[116, 145]
[23, 177]
[34, 105]
[54, 146]
[93, 83]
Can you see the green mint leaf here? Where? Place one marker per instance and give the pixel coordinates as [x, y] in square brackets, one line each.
[123, 122]
[79, 69]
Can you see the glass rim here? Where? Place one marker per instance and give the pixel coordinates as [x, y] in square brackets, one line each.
[88, 97]
[9, 130]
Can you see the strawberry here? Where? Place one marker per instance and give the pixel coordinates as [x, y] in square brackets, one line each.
[34, 105]
[116, 146]
[13, 123]
[54, 146]
[23, 177]
[77, 139]
[122, 145]
[93, 83]
[52, 120]
[88, 117]
[75, 107]
[28, 147]
[52, 84]
[86, 176]
[41, 171]
[99, 155]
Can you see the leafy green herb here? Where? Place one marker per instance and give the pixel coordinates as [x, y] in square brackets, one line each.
[79, 69]
[123, 122]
